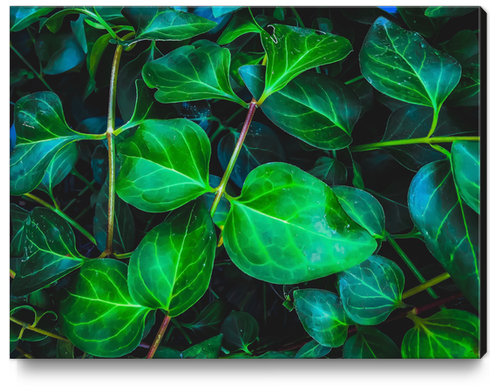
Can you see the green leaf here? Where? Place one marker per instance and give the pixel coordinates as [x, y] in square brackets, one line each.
[467, 92]
[50, 252]
[465, 157]
[65, 350]
[94, 55]
[317, 109]
[63, 52]
[448, 11]
[242, 22]
[18, 218]
[165, 164]
[78, 28]
[448, 225]
[273, 355]
[330, 171]
[410, 69]
[171, 268]
[363, 208]
[165, 23]
[322, 316]
[45, 320]
[254, 78]
[312, 349]
[239, 330]
[447, 334]
[417, 21]
[124, 229]
[223, 208]
[192, 73]
[98, 315]
[167, 353]
[287, 227]
[462, 46]
[293, 50]
[209, 321]
[371, 290]
[370, 343]
[23, 17]
[220, 11]
[244, 59]
[209, 349]
[41, 131]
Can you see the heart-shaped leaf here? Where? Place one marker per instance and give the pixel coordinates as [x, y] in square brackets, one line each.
[98, 315]
[165, 164]
[312, 349]
[18, 217]
[370, 343]
[239, 330]
[330, 171]
[171, 268]
[465, 157]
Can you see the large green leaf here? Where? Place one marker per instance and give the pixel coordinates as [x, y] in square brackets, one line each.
[448, 11]
[23, 17]
[50, 252]
[402, 65]
[191, 73]
[465, 157]
[448, 225]
[171, 268]
[315, 108]
[18, 217]
[371, 290]
[370, 343]
[330, 171]
[447, 334]
[165, 164]
[41, 131]
[220, 11]
[293, 50]
[288, 227]
[98, 315]
[209, 349]
[313, 349]
[322, 316]
[239, 330]
[242, 22]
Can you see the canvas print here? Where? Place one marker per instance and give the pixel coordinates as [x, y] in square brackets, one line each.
[246, 182]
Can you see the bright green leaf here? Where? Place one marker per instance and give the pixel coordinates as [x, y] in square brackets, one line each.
[253, 77]
[313, 349]
[241, 23]
[239, 330]
[465, 157]
[244, 59]
[370, 343]
[94, 55]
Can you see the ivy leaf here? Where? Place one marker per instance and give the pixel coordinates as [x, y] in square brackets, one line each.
[98, 315]
[223, 208]
[315, 108]
[465, 157]
[242, 22]
[293, 50]
[261, 146]
[45, 320]
[447, 334]
[124, 229]
[23, 17]
[165, 164]
[192, 73]
[330, 171]
[448, 225]
[18, 217]
[41, 131]
[209, 349]
[50, 252]
[181, 250]
[370, 343]
[409, 70]
[272, 235]
[448, 11]
[239, 330]
[371, 290]
[209, 320]
[322, 316]
[312, 349]
[165, 23]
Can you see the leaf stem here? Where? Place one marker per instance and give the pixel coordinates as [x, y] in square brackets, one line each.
[78, 195]
[410, 265]
[427, 284]
[217, 132]
[159, 337]
[182, 331]
[38, 330]
[354, 79]
[89, 184]
[24, 354]
[222, 185]
[12, 274]
[433, 127]
[63, 215]
[296, 15]
[31, 68]
[97, 17]
[411, 141]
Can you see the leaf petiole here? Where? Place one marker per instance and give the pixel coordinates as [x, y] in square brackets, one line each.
[426, 285]
[411, 141]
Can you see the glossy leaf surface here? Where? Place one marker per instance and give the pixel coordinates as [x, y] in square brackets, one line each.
[370, 343]
[239, 330]
[171, 268]
[98, 315]
[165, 164]
[223, 208]
[220, 11]
[209, 349]
[465, 157]
[18, 216]
[254, 78]
[330, 171]
[241, 23]
[312, 349]
[322, 316]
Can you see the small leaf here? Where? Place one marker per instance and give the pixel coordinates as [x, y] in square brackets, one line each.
[165, 164]
[322, 316]
[253, 76]
[209, 320]
[330, 171]
[312, 349]
[243, 59]
[23, 17]
[78, 28]
[239, 330]
[448, 11]
[98, 315]
[241, 23]
[45, 320]
[64, 53]
[18, 218]
[371, 290]
[465, 157]
[209, 349]
[171, 268]
[467, 92]
[370, 343]
[447, 334]
[94, 55]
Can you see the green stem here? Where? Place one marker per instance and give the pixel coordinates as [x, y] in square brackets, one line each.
[31, 68]
[38, 330]
[79, 194]
[354, 80]
[217, 132]
[63, 215]
[121, 256]
[410, 265]
[24, 354]
[235, 114]
[412, 234]
[226, 176]
[428, 284]
[435, 118]
[441, 149]
[411, 141]
[97, 17]
[296, 15]
[158, 338]
[182, 331]
[88, 208]
[87, 182]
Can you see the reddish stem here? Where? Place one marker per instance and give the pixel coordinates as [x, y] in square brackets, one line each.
[159, 337]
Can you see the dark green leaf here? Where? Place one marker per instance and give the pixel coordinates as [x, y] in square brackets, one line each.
[209, 321]
[18, 217]
[78, 29]
[65, 350]
[312, 349]
[417, 21]
[448, 225]
[63, 52]
[98, 315]
[370, 343]
[409, 70]
[223, 208]
[209, 349]
[330, 171]
[23, 17]
[365, 15]
[448, 11]
[50, 252]
[94, 55]
[239, 330]
[254, 78]
[280, 13]
[191, 73]
[447, 334]
[273, 235]
[45, 320]
[244, 59]
[462, 45]
[467, 92]
[292, 50]
[241, 23]
[371, 290]
[322, 316]
[167, 353]
[465, 157]
[317, 109]
[149, 323]
[364, 92]
[273, 355]
[171, 268]
[220, 11]
[165, 164]
[99, 163]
